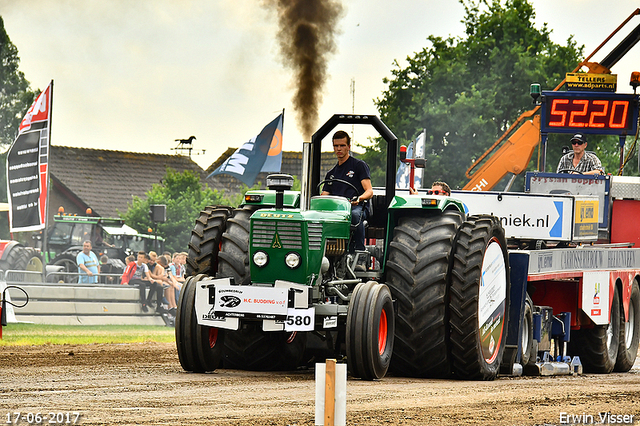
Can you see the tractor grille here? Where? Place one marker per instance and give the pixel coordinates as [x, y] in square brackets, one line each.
[315, 236]
[289, 235]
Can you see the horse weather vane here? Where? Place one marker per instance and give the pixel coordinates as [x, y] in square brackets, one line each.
[187, 145]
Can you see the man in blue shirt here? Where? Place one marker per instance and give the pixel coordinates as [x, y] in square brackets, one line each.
[356, 172]
[88, 265]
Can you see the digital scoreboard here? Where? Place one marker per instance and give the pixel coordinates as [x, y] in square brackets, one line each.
[589, 113]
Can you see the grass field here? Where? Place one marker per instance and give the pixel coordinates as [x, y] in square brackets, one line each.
[39, 334]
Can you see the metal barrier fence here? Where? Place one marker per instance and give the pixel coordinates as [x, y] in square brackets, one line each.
[74, 277]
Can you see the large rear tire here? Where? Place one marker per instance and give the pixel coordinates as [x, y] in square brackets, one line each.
[629, 332]
[15, 258]
[598, 346]
[200, 348]
[205, 240]
[233, 258]
[418, 269]
[68, 263]
[479, 302]
[370, 331]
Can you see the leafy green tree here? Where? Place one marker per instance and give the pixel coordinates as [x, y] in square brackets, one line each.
[15, 94]
[467, 91]
[184, 196]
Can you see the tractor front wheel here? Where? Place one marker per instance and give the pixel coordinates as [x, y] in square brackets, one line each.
[370, 331]
[200, 348]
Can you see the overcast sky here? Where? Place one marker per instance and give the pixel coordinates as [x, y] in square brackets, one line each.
[136, 75]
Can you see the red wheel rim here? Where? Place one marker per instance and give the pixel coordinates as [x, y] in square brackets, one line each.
[382, 332]
[213, 337]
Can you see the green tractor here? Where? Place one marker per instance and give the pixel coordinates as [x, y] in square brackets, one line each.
[272, 284]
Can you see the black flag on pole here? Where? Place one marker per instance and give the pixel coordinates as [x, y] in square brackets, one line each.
[28, 167]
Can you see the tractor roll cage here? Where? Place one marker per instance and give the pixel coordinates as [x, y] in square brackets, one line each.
[381, 128]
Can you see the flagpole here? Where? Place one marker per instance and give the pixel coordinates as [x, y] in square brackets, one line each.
[45, 246]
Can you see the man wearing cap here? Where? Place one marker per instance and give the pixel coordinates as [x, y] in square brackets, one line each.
[579, 160]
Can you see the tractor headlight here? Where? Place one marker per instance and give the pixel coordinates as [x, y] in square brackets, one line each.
[260, 258]
[292, 260]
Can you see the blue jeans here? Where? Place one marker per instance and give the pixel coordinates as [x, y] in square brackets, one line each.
[358, 215]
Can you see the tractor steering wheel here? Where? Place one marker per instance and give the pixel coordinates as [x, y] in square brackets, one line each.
[569, 170]
[337, 180]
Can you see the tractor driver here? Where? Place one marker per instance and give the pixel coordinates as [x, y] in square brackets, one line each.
[579, 160]
[357, 173]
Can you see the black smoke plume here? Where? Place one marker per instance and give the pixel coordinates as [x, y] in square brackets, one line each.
[306, 37]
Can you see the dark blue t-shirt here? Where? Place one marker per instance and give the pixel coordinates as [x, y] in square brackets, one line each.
[352, 171]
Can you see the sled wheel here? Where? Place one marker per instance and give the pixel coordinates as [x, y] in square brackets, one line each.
[418, 268]
[479, 301]
[205, 240]
[526, 339]
[629, 332]
[598, 346]
[370, 330]
[200, 348]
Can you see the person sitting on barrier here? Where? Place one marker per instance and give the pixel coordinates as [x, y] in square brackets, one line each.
[88, 266]
[137, 273]
[169, 284]
[105, 268]
[580, 161]
[161, 279]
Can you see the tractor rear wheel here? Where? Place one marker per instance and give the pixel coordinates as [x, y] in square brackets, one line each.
[598, 346]
[479, 300]
[370, 331]
[233, 257]
[200, 348]
[16, 259]
[68, 263]
[629, 332]
[205, 240]
[418, 270]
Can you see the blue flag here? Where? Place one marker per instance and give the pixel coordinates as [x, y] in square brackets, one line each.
[273, 163]
[249, 159]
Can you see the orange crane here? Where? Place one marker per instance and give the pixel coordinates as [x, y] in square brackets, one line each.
[512, 152]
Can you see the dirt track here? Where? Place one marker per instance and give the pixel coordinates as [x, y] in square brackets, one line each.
[144, 384]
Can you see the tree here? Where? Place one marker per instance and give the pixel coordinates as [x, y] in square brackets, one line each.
[15, 94]
[467, 91]
[184, 197]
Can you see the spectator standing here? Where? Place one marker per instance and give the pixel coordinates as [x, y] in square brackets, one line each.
[88, 265]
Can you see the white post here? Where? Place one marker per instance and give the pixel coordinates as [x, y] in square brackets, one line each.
[331, 394]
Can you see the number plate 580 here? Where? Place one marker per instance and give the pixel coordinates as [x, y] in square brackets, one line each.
[300, 320]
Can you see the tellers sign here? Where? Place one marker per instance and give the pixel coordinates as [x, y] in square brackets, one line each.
[589, 112]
